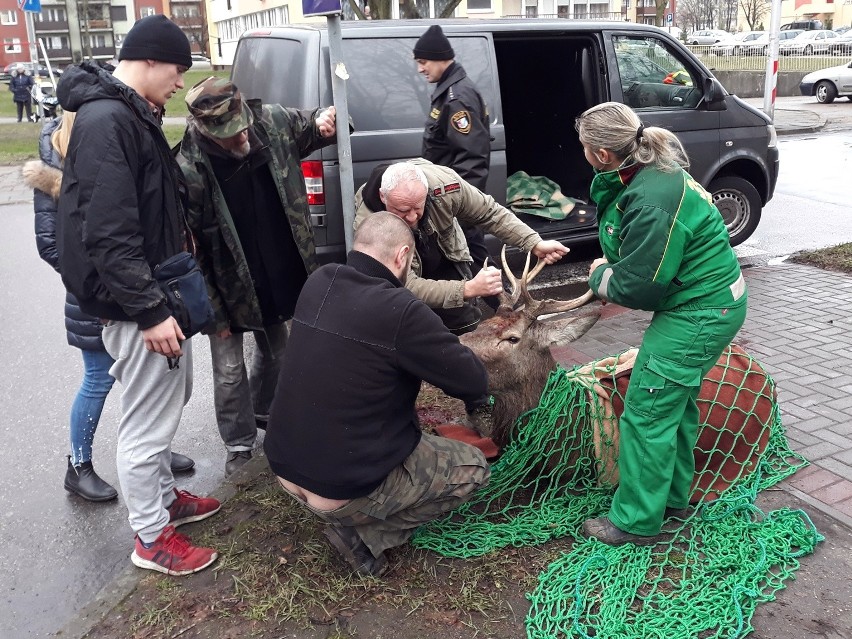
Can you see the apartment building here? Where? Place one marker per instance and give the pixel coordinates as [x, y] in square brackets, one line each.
[13, 33]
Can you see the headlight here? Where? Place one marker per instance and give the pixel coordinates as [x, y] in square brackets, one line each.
[773, 136]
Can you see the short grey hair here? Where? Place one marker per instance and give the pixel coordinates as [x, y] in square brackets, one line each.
[381, 235]
[400, 173]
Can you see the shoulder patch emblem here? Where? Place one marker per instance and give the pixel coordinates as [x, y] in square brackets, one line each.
[435, 114]
[436, 191]
[452, 188]
[461, 122]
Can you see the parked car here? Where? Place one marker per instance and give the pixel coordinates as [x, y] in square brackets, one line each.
[707, 36]
[32, 67]
[735, 45]
[639, 65]
[841, 30]
[808, 43]
[827, 84]
[200, 62]
[805, 25]
[761, 45]
[842, 44]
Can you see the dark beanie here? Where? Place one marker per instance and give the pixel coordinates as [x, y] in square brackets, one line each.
[156, 38]
[433, 45]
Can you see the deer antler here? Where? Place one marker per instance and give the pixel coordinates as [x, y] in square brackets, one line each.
[535, 308]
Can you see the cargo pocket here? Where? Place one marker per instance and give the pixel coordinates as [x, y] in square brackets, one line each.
[663, 385]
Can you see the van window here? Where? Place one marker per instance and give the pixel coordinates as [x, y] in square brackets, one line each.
[261, 77]
[374, 64]
[652, 76]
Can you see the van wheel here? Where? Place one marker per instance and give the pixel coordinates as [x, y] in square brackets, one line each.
[739, 203]
[825, 92]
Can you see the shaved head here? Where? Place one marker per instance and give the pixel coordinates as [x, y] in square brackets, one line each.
[381, 236]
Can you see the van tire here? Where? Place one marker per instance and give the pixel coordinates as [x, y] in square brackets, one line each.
[825, 92]
[740, 205]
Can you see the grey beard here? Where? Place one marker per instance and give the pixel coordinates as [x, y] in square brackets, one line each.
[242, 152]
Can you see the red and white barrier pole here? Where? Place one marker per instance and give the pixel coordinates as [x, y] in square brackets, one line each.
[770, 86]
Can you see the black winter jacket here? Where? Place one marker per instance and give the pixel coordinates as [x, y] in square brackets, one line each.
[344, 411]
[45, 177]
[21, 85]
[120, 211]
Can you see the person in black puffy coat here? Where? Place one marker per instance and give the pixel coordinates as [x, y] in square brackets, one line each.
[83, 331]
[21, 85]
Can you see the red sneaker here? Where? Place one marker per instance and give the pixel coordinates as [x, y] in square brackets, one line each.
[188, 508]
[173, 554]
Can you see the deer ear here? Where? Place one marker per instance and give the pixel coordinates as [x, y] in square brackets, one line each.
[565, 328]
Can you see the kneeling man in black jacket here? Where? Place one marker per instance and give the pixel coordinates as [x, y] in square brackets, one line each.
[343, 434]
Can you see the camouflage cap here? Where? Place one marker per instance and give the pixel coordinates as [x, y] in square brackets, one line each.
[216, 104]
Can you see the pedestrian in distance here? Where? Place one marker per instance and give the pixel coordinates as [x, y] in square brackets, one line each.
[82, 330]
[21, 86]
[248, 209]
[120, 215]
[433, 200]
[343, 435]
[457, 132]
[665, 250]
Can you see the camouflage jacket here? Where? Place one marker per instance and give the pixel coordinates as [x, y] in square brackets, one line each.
[449, 200]
[292, 136]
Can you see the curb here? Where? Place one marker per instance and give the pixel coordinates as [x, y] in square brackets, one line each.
[125, 583]
[794, 129]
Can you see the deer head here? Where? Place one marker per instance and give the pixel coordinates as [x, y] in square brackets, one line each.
[515, 345]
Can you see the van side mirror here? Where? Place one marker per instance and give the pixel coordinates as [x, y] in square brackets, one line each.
[714, 94]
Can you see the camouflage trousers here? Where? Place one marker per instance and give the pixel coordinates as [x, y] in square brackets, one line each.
[438, 476]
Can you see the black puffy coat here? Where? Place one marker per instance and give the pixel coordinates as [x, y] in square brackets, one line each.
[21, 85]
[120, 211]
[45, 177]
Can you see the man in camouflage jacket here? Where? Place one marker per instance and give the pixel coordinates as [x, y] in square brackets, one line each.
[248, 212]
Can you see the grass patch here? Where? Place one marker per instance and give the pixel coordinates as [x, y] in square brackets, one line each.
[833, 258]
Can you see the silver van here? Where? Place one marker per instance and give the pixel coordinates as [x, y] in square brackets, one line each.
[536, 76]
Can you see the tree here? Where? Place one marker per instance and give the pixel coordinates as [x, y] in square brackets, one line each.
[660, 6]
[754, 10]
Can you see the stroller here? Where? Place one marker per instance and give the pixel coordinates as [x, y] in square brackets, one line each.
[46, 102]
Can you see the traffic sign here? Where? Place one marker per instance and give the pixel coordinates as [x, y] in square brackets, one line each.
[32, 5]
[669, 18]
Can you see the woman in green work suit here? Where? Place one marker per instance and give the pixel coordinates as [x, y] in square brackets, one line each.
[665, 250]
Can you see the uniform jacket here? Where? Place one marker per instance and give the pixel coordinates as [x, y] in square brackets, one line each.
[457, 132]
[344, 414]
[45, 177]
[120, 211]
[292, 136]
[665, 241]
[20, 85]
[451, 200]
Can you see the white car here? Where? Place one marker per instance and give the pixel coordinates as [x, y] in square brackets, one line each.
[707, 36]
[827, 84]
[808, 43]
[761, 45]
[735, 45]
[200, 62]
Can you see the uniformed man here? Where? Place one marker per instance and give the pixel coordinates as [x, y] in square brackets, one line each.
[457, 131]
[433, 200]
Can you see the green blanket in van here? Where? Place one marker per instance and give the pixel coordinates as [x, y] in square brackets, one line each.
[537, 195]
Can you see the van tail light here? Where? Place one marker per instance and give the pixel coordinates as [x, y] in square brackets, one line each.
[313, 181]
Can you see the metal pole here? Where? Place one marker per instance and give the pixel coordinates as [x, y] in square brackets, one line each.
[47, 64]
[31, 39]
[770, 85]
[344, 147]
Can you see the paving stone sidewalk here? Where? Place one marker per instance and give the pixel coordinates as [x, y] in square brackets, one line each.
[799, 326]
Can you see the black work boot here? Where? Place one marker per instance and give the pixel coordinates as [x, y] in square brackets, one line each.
[84, 481]
[181, 463]
[350, 546]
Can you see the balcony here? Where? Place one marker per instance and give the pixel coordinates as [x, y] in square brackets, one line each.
[55, 25]
[100, 24]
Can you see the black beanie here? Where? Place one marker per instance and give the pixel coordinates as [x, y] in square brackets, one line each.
[156, 38]
[433, 45]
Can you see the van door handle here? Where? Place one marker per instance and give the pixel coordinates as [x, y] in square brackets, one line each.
[318, 220]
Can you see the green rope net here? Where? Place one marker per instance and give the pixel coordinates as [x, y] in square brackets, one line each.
[709, 572]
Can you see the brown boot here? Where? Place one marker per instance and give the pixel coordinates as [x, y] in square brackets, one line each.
[604, 530]
[347, 542]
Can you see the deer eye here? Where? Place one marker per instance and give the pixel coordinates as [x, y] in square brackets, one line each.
[514, 339]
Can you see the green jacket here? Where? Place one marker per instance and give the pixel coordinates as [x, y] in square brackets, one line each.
[665, 241]
[449, 200]
[292, 136]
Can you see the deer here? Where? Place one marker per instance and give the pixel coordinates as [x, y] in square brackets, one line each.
[514, 345]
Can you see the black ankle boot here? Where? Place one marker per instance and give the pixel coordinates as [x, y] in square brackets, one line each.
[84, 481]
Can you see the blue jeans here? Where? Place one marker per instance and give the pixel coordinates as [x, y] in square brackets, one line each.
[89, 403]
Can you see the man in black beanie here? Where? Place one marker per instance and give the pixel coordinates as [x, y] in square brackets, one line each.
[457, 133]
[122, 215]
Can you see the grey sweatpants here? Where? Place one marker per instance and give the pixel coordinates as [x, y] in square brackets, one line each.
[438, 476]
[152, 400]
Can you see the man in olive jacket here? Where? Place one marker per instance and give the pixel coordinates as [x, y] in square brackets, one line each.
[433, 200]
[248, 211]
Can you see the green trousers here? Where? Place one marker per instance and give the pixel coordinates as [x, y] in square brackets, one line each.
[659, 426]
